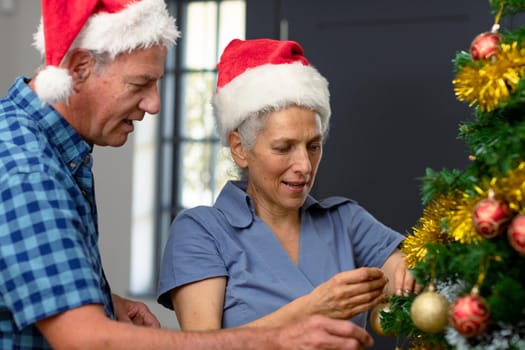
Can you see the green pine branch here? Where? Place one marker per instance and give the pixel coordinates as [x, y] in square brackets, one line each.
[510, 7]
[495, 141]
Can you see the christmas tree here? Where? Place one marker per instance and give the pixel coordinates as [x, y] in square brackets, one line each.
[468, 247]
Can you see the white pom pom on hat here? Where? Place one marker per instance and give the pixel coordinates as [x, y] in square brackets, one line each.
[257, 74]
[104, 26]
[53, 84]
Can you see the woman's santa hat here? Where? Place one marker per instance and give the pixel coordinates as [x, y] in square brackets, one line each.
[265, 74]
[103, 26]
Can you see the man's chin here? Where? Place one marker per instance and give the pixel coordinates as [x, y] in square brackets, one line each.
[120, 143]
[115, 142]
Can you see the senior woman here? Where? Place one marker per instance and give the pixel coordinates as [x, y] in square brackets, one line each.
[268, 253]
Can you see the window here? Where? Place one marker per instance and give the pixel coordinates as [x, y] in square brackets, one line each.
[178, 159]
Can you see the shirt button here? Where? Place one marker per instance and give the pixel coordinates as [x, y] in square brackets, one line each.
[72, 164]
[86, 159]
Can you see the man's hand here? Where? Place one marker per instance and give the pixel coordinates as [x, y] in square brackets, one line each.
[134, 312]
[319, 332]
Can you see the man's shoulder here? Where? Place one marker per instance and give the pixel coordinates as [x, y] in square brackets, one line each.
[13, 118]
[23, 148]
[19, 133]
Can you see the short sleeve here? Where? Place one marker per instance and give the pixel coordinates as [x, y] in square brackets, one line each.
[45, 257]
[192, 252]
[372, 241]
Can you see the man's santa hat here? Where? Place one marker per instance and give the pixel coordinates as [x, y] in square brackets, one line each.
[265, 74]
[103, 26]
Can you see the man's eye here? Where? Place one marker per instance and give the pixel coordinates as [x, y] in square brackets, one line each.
[280, 148]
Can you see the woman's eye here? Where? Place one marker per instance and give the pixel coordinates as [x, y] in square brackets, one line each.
[315, 147]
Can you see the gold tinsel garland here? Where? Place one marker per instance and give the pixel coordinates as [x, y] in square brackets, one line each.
[449, 217]
[512, 188]
[418, 343]
[459, 220]
[492, 82]
[428, 229]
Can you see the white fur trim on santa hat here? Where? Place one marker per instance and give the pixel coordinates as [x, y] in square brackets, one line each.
[270, 86]
[140, 25]
[53, 84]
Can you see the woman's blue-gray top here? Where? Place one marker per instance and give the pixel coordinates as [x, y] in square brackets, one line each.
[229, 240]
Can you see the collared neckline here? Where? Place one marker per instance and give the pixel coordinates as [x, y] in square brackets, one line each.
[237, 206]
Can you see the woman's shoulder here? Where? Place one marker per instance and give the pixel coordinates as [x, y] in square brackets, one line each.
[340, 206]
[200, 213]
[332, 202]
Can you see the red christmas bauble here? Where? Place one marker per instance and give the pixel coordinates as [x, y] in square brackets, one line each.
[485, 45]
[490, 217]
[469, 315]
[516, 234]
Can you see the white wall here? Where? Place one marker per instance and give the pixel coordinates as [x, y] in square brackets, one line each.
[17, 57]
[113, 166]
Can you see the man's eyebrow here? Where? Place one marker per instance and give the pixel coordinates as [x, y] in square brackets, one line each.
[146, 77]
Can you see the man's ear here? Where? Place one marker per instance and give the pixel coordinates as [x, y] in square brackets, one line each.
[237, 149]
[80, 63]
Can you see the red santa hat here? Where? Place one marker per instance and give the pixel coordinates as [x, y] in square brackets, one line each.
[103, 26]
[263, 74]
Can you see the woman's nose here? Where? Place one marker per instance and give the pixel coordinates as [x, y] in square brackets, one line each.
[302, 161]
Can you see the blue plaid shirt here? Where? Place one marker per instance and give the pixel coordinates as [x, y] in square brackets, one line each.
[49, 257]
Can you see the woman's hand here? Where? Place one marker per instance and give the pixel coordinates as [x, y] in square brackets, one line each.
[348, 293]
[402, 282]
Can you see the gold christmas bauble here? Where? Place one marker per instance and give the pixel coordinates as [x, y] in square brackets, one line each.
[375, 318]
[429, 312]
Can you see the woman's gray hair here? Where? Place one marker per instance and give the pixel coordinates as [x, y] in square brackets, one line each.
[255, 123]
[251, 127]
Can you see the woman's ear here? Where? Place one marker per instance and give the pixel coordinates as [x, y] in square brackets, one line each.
[237, 149]
[80, 64]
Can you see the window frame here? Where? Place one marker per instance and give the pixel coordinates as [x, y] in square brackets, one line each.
[170, 138]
